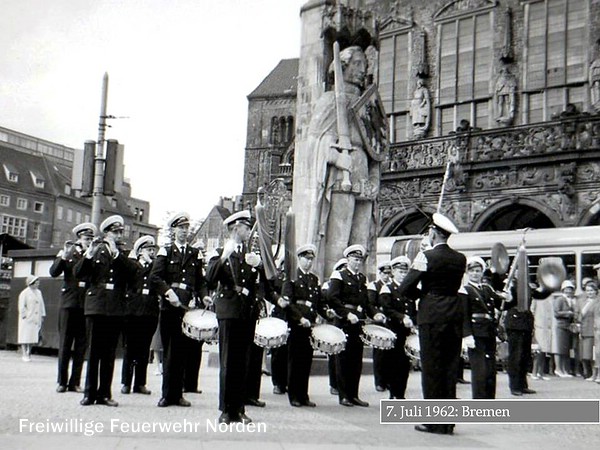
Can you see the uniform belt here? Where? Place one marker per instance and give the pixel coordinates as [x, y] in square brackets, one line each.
[81, 284]
[304, 302]
[183, 286]
[238, 289]
[109, 286]
[481, 316]
[351, 306]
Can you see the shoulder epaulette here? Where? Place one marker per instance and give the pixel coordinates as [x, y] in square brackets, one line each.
[336, 275]
[420, 262]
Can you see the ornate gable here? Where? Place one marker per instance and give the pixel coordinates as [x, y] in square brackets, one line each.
[459, 7]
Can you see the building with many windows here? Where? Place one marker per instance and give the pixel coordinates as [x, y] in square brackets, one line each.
[37, 204]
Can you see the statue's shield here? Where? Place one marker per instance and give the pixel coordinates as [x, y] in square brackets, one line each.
[372, 123]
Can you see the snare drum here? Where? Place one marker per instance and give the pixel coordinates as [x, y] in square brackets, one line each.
[378, 337]
[271, 332]
[328, 338]
[201, 325]
[413, 350]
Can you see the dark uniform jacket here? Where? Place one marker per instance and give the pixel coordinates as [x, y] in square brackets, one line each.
[73, 290]
[522, 320]
[396, 306]
[480, 303]
[237, 285]
[304, 294]
[182, 273]
[373, 294]
[347, 293]
[440, 271]
[107, 277]
[141, 299]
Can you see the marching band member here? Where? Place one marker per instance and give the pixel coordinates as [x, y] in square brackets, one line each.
[440, 314]
[480, 328]
[328, 313]
[71, 321]
[304, 295]
[237, 273]
[141, 318]
[348, 297]
[279, 355]
[400, 313]
[385, 272]
[107, 269]
[178, 277]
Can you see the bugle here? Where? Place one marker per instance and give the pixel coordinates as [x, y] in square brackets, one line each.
[551, 273]
[499, 260]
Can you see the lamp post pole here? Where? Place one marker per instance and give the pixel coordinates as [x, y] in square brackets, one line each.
[98, 189]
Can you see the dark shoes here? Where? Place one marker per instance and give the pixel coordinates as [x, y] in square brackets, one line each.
[255, 402]
[295, 403]
[86, 401]
[163, 402]
[334, 391]
[241, 417]
[60, 389]
[346, 402]
[435, 429]
[309, 404]
[75, 389]
[516, 393]
[141, 390]
[358, 402]
[192, 391]
[125, 389]
[224, 418]
[278, 391]
[106, 402]
[463, 381]
[245, 419]
[379, 388]
[528, 391]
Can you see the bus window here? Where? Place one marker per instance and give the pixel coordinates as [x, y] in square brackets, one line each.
[588, 261]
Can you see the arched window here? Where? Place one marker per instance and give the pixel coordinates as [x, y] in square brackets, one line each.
[275, 131]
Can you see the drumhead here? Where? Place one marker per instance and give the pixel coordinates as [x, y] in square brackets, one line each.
[378, 331]
[201, 319]
[271, 326]
[328, 333]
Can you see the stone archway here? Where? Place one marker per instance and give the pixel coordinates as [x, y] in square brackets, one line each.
[514, 215]
[591, 216]
[409, 222]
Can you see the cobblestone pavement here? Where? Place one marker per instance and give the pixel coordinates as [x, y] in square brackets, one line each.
[28, 397]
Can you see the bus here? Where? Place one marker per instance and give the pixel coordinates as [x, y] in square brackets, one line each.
[578, 247]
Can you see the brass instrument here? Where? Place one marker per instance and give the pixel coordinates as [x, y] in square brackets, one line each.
[499, 259]
[551, 273]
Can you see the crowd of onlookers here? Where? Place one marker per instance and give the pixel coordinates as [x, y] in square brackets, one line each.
[567, 333]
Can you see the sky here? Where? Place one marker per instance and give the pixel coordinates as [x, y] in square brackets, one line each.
[179, 74]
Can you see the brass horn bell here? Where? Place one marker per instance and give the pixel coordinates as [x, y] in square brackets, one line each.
[499, 258]
[551, 273]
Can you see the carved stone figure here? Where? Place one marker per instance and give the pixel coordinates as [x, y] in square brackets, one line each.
[334, 217]
[505, 97]
[594, 80]
[420, 110]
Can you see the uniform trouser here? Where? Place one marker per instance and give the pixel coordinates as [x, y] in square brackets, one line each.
[483, 367]
[102, 336]
[300, 354]
[235, 339]
[396, 366]
[137, 336]
[331, 366]
[279, 364]
[440, 351]
[192, 362]
[519, 358]
[349, 363]
[378, 367]
[71, 344]
[174, 354]
[254, 371]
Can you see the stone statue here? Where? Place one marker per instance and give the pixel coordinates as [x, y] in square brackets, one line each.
[505, 97]
[420, 110]
[334, 216]
[594, 80]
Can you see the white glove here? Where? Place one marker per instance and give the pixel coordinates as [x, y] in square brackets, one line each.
[330, 313]
[408, 323]
[173, 298]
[305, 322]
[379, 317]
[208, 301]
[192, 304]
[468, 342]
[283, 302]
[352, 318]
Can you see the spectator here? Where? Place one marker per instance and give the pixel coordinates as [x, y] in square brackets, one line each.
[31, 315]
[542, 313]
[588, 307]
[561, 327]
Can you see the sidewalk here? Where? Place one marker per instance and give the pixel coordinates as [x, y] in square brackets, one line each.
[29, 400]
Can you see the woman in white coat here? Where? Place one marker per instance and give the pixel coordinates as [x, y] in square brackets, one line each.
[31, 315]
